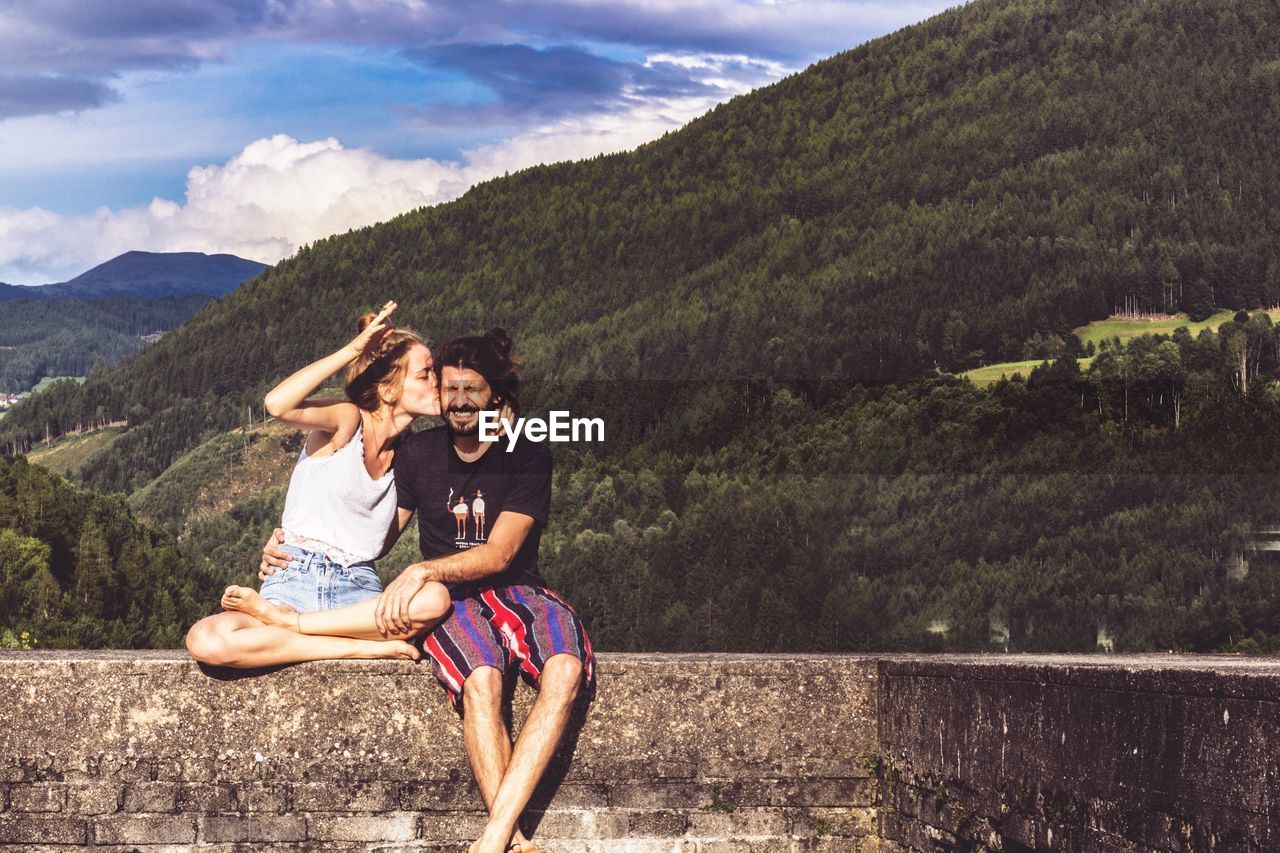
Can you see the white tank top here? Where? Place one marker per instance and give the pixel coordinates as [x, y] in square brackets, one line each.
[334, 507]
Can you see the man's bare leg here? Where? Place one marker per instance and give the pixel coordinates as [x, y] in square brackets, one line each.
[541, 734]
[426, 609]
[239, 640]
[486, 737]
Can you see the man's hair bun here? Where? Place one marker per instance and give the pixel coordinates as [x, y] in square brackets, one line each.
[500, 338]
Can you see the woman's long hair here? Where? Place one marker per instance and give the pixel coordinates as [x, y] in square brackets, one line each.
[380, 366]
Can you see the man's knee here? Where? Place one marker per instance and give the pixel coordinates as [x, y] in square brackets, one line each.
[561, 678]
[483, 690]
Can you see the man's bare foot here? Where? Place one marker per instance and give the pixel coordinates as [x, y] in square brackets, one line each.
[490, 842]
[520, 844]
[246, 600]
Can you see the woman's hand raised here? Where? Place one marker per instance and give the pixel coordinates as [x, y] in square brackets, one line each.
[370, 333]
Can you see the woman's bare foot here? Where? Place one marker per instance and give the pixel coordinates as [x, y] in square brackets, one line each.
[385, 650]
[248, 601]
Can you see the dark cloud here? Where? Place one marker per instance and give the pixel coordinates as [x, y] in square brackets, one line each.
[501, 44]
[116, 22]
[547, 83]
[789, 32]
[34, 95]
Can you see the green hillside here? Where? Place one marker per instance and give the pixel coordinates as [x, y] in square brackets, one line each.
[66, 454]
[1009, 369]
[78, 570]
[759, 306]
[936, 196]
[1125, 329]
[67, 337]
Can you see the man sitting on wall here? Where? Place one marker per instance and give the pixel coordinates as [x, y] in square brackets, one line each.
[504, 618]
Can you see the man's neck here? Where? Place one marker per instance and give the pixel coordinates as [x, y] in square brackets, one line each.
[469, 447]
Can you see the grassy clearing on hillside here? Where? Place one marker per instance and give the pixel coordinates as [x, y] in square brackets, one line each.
[1125, 329]
[69, 452]
[993, 373]
[218, 474]
[49, 380]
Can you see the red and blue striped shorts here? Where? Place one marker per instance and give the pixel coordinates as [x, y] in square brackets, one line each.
[505, 627]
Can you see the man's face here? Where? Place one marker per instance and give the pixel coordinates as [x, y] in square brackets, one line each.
[463, 395]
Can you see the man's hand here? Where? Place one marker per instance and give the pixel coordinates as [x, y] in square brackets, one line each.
[272, 557]
[391, 614]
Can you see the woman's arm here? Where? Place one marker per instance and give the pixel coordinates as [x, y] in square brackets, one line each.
[288, 402]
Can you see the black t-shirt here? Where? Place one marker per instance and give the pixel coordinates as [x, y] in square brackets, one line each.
[458, 502]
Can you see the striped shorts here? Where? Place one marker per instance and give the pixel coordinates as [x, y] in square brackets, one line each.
[506, 627]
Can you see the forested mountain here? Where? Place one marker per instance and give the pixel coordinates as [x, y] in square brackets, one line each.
[148, 275]
[106, 313]
[934, 197]
[13, 291]
[76, 569]
[67, 337]
[733, 298]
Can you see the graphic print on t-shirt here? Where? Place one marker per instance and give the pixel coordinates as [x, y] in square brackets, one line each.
[459, 503]
[457, 507]
[477, 512]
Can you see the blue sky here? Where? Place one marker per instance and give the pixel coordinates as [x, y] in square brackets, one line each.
[252, 126]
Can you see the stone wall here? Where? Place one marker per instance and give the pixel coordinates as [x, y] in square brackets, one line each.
[1080, 753]
[127, 750]
[140, 751]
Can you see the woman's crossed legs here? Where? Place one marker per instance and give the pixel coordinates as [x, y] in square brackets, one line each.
[254, 632]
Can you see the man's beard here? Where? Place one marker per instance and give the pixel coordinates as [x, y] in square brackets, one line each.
[469, 427]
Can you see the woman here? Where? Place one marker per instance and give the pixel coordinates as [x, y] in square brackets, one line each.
[339, 512]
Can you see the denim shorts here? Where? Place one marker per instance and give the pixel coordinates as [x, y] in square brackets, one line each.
[314, 582]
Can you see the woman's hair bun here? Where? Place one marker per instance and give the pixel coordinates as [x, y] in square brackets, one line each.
[501, 340]
[364, 321]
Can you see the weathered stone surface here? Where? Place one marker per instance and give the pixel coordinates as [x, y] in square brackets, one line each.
[38, 797]
[94, 799]
[253, 828]
[150, 797]
[136, 751]
[396, 826]
[45, 829]
[1082, 752]
[354, 797]
[662, 824]
[145, 829]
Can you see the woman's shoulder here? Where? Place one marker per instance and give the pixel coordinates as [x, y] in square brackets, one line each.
[347, 424]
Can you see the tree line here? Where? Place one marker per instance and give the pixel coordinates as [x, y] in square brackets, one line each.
[78, 570]
[67, 337]
[933, 200]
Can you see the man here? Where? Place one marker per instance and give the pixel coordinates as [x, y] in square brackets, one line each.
[503, 617]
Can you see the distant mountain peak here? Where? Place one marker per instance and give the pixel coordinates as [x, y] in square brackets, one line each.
[148, 275]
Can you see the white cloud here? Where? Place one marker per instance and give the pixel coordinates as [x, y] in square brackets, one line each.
[279, 193]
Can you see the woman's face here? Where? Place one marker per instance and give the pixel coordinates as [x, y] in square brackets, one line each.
[419, 393]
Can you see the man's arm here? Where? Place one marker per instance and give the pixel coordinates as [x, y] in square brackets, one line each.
[398, 524]
[273, 558]
[491, 558]
[508, 535]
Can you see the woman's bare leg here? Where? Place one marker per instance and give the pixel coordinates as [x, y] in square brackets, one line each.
[239, 640]
[426, 609]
